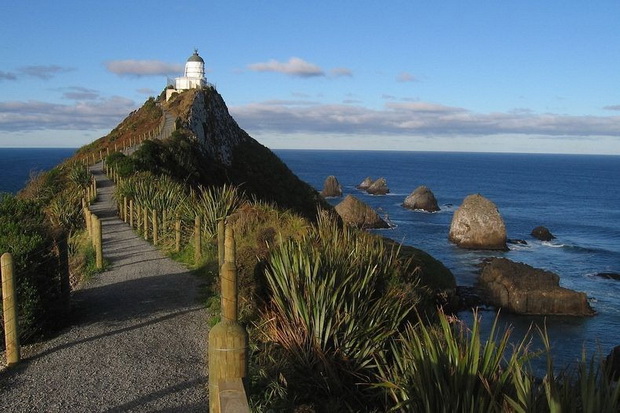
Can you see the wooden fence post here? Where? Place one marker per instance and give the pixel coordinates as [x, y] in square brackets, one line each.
[9, 309]
[221, 228]
[197, 241]
[145, 212]
[164, 223]
[228, 340]
[177, 235]
[87, 221]
[131, 213]
[125, 209]
[97, 241]
[154, 219]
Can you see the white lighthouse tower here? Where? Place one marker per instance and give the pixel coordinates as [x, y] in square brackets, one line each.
[193, 77]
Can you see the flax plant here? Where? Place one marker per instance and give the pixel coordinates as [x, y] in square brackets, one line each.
[213, 204]
[332, 308]
[145, 190]
[448, 368]
[153, 192]
[79, 175]
[65, 211]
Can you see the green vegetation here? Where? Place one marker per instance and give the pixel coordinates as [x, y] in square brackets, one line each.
[449, 368]
[335, 300]
[82, 258]
[43, 228]
[25, 234]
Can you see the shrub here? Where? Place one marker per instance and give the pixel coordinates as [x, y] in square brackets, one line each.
[123, 165]
[333, 307]
[24, 234]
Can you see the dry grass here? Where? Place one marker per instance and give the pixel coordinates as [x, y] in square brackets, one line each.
[180, 104]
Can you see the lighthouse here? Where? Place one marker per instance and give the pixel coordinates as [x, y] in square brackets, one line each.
[195, 67]
[193, 76]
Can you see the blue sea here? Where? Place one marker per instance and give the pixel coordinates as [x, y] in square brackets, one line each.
[576, 196]
[17, 164]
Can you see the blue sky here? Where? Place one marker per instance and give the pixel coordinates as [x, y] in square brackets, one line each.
[509, 76]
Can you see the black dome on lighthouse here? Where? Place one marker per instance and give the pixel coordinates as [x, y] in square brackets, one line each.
[195, 57]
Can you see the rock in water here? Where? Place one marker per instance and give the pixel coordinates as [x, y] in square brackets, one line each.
[523, 289]
[365, 184]
[331, 187]
[477, 224]
[422, 198]
[608, 275]
[379, 187]
[542, 233]
[356, 213]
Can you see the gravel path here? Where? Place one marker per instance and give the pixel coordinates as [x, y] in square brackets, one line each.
[138, 341]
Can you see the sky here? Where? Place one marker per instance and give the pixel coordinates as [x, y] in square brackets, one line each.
[478, 76]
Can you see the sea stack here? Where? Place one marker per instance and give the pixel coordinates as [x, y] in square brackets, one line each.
[477, 224]
[331, 187]
[378, 187]
[365, 184]
[542, 233]
[422, 199]
[356, 213]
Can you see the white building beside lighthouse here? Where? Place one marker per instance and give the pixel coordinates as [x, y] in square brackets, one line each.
[193, 77]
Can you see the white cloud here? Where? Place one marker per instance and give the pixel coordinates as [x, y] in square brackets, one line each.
[7, 76]
[612, 107]
[140, 68]
[294, 67]
[415, 119]
[80, 93]
[82, 115]
[44, 72]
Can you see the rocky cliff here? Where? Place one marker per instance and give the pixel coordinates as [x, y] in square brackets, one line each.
[230, 155]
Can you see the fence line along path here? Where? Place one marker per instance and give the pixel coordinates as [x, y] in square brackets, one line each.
[137, 341]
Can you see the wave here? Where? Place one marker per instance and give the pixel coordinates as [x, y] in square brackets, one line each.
[423, 211]
[518, 246]
[578, 248]
[552, 245]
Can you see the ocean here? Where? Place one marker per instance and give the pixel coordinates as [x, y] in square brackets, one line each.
[577, 197]
[17, 164]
